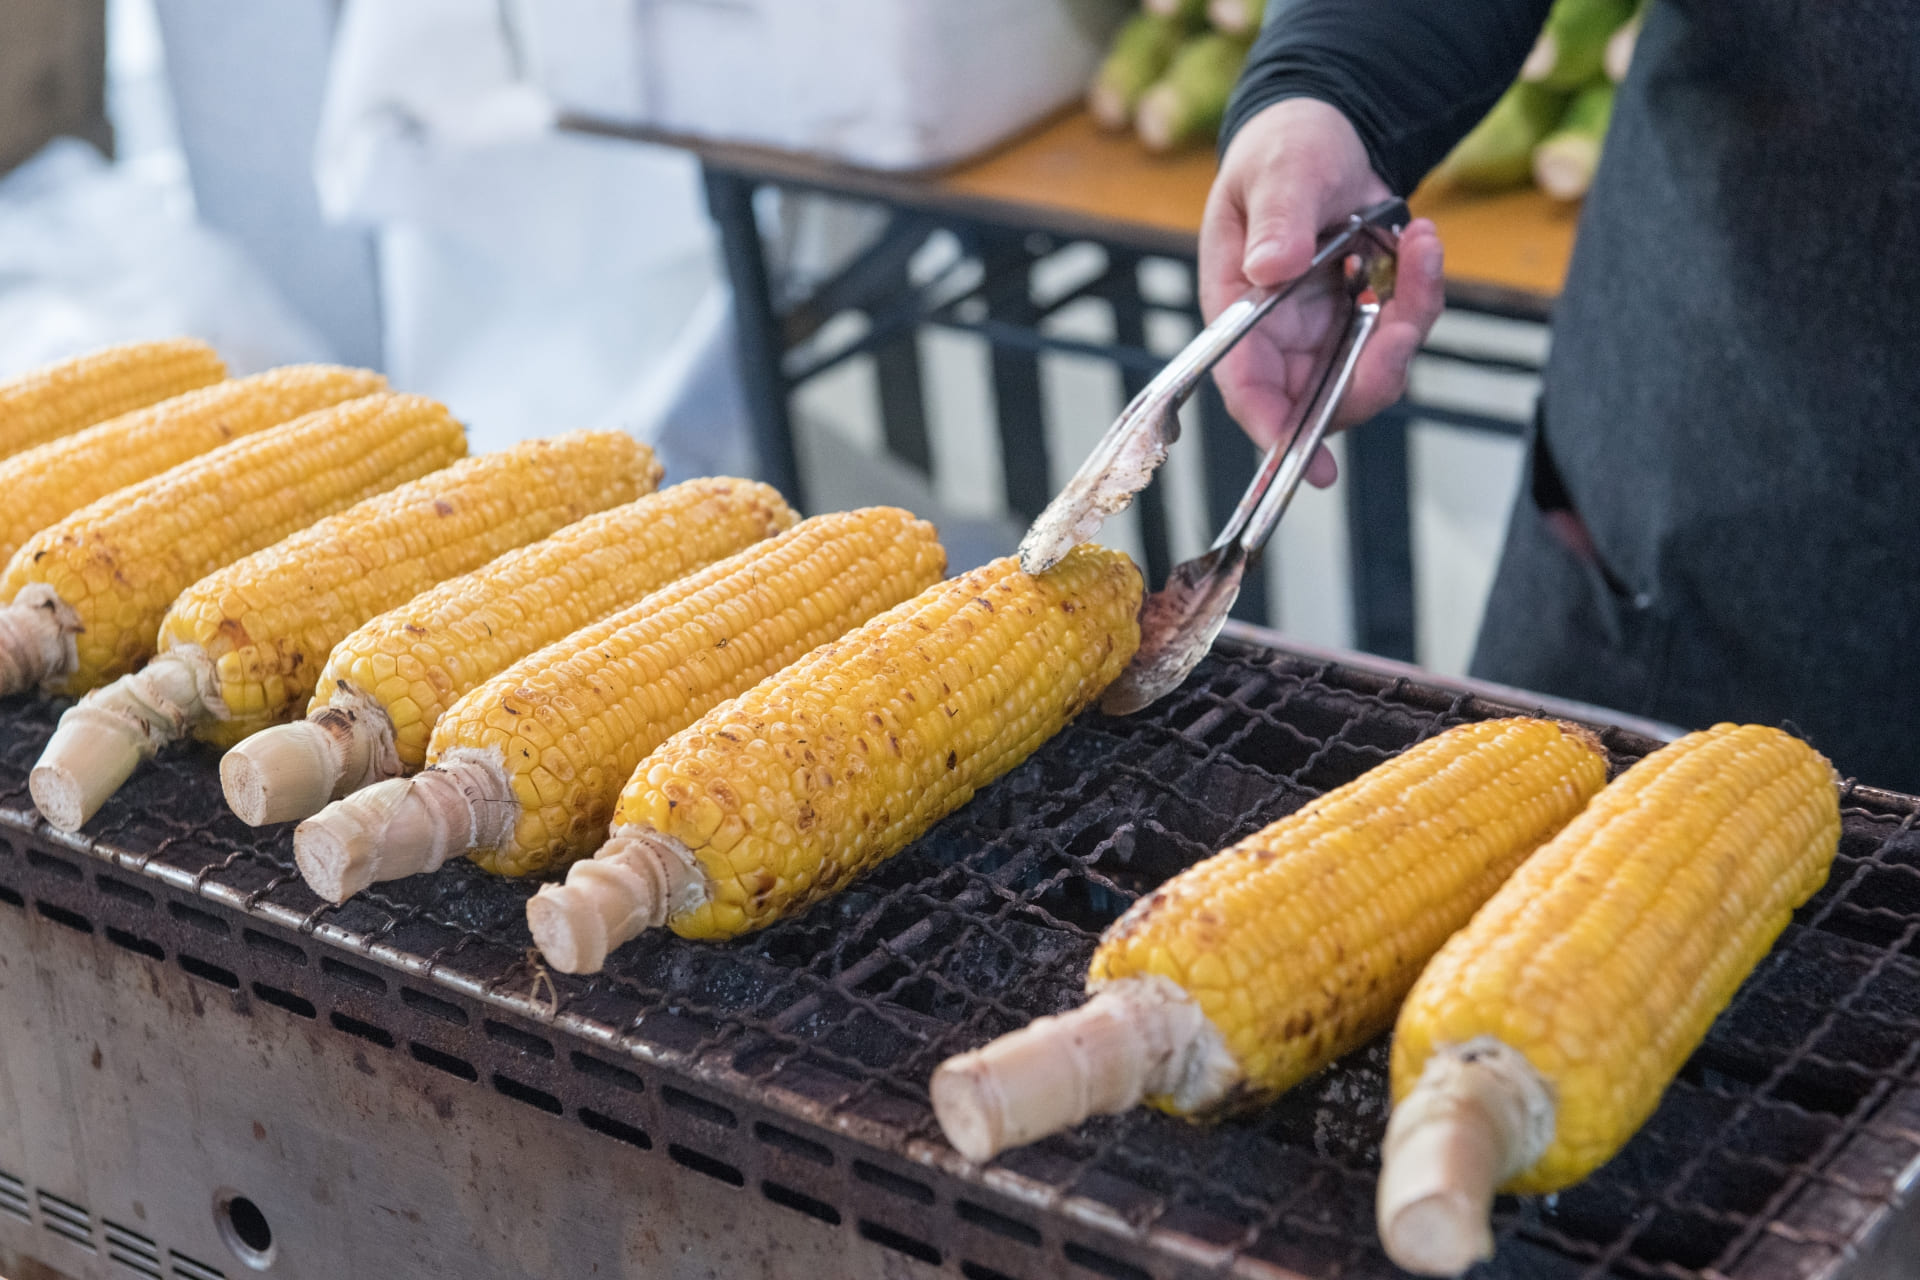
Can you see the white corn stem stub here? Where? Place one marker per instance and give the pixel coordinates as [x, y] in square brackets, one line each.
[1479, 1115]
[1542, 59]
[1108, 106]
[406, 826]
[639, 880]
[1564, 167]
[105, 736]
[1136, 1038]
[291, 771]
[37, 639]
[1620, 46]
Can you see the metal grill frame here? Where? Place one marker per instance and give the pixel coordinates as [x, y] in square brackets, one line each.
[901, 1197]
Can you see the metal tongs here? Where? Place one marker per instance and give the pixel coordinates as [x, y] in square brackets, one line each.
[1354, 267]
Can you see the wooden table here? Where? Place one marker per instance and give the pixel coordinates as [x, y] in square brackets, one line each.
[1064, 181]
[1506, 253]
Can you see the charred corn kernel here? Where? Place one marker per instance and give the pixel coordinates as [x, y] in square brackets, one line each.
[838, 763]
[1333, 909]
[1249, 971]
[268, 621]
[1606, 957]
[118, 562]
[53, 480]
[54, 401]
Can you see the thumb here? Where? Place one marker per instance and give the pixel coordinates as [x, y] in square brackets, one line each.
[1282, 226]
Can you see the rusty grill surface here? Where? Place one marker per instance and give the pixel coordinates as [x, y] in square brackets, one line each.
[1780, 1152]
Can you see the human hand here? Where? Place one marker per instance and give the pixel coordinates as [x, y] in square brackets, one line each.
[1293, 169]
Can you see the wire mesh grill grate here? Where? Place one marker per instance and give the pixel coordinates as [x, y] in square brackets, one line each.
[1786, 1135]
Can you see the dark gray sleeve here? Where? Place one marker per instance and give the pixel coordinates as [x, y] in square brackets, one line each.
[1413, 75]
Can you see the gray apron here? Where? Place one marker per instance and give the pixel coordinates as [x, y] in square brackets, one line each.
[1732, 405]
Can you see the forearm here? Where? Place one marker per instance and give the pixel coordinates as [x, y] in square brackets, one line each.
[1412, 75]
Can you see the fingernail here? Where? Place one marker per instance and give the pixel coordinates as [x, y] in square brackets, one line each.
[1258, 256]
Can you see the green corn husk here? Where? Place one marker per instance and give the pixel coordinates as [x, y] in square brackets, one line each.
[1498, 154]
[1572, 48]
[1237, 17]
[1189, 12]
[1190, 100]
[1140, 55]
[1565, 160]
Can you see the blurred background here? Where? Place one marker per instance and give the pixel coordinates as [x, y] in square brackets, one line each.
[877, 253]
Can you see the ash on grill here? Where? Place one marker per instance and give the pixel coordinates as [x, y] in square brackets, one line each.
[1789, 1128]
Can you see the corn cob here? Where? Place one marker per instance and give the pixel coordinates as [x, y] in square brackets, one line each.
[46, 483]
[1543, 1034]
[1571, 51]
[386, 685]
[1251, 970]
[52, 402]
[1139, 57]
[1565, 160]
[88, 593]
[1190, 100]
[1498, 152]
[836, 764]
[526, 769]
[243, 646]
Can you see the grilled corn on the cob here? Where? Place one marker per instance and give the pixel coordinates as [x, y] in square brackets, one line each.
[386, 685]
[1543, 1034]
[1251, 970]
[784, 795]
[243, 646]
[49, 403]
[44, 484]
[88, 593]
[526, 768]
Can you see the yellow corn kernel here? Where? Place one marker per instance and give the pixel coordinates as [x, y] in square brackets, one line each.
[53, 480]
[1332, 910]
[1606, 957]
[121, 560]
[853, 753]
[471, 628]
[52, 402]
[605, 697]
[303, 595]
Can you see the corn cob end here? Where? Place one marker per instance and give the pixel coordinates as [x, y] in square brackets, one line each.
[288, 772]
[37, 639]
[105, 736]
[1479, 1115]
[636, 881]
[405, 826]
[1135, 1039]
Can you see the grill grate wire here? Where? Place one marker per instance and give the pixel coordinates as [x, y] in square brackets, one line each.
[1788, 1129]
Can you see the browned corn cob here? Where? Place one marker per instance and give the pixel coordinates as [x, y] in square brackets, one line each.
[51, 481]
[386, 686]
[243, 646]
[1543, 1034]
[528, 766]
[49, 403]
[781, 797]
[88, 593]
[1251, 970]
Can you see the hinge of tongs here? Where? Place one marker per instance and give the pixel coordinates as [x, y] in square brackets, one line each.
[1354, 265]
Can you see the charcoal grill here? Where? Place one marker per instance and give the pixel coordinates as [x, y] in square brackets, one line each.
[206, 1070]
